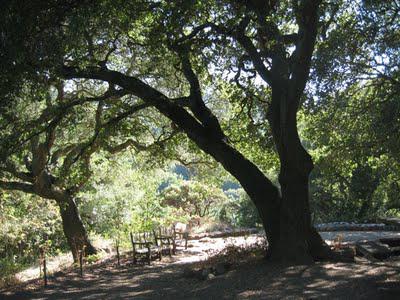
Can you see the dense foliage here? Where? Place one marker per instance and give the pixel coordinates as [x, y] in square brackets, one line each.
[353, 120]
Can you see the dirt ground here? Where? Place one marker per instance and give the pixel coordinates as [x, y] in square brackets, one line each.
[255, 279]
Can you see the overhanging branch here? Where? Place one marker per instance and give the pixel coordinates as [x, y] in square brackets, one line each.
[17, 186]
[197, 105]
[11, 169]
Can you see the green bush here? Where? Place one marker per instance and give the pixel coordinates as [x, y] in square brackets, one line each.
[8, 270]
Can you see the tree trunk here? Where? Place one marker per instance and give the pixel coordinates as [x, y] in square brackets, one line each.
[286, 219]
[74, 229]
[298, 241]
[295, 223]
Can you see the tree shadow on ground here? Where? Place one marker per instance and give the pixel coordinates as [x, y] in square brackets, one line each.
[254, 280]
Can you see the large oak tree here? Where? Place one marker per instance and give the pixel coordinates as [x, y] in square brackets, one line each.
[170, 54]
[281, 57]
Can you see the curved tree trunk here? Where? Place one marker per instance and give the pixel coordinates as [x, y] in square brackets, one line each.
[74, 229]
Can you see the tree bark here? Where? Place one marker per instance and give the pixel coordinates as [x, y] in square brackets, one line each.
[297, 241]
[74, 229]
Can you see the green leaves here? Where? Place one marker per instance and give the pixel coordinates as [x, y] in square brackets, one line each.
[27, 223]
[192, 197]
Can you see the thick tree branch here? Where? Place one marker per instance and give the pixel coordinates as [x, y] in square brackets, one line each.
[60, 152]
[182, 101]
[259, 187]
[197, 106]
[147, 93]
[121, 147]
[138, 146]
[290, 38]
[19, 186]
[301, 57]
[248, 46]
[69, 158]
[11, 169]
[238, 33]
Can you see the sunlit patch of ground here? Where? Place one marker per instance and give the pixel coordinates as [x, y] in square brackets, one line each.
[202, 249]
[54, 264]
[60, 262]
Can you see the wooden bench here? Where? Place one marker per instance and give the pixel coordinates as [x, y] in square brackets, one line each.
[144, 250]
[165, 240]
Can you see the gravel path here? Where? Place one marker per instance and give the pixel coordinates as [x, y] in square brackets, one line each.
[358, 236]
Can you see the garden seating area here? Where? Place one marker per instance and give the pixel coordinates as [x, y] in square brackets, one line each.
[154, 244]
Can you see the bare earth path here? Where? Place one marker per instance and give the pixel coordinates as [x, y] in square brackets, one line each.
[257, 279]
